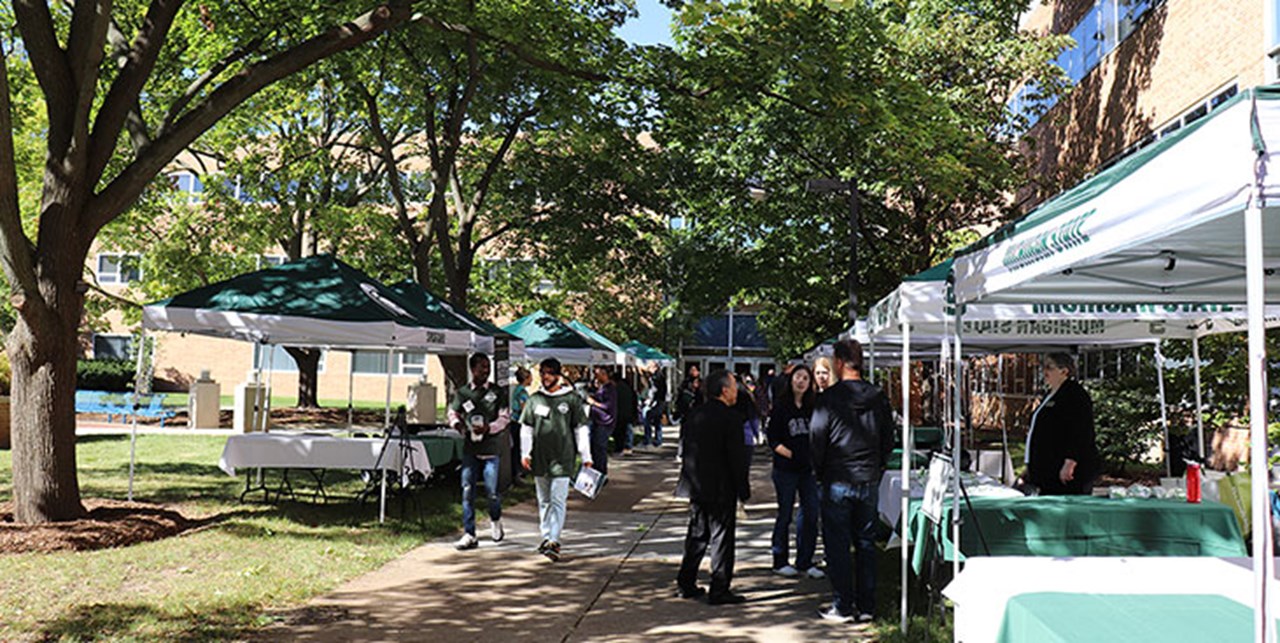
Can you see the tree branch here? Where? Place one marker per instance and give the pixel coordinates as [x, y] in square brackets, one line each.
[203, 81]
[48, 60]
[387, 153]
[15, 247]
[481, 189]
[85, 44]
[125, 188]
[513, 49]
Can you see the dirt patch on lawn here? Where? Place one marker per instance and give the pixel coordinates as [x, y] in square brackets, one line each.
[107, 523]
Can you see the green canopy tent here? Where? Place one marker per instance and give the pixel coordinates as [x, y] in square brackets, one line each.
[545, 336]
[620, 356]
[645, 354]
[484, 333]
[316, 301]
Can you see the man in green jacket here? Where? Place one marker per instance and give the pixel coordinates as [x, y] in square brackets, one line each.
[479, 411]
[553, 417]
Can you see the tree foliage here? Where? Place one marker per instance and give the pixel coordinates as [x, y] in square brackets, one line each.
[905, 98]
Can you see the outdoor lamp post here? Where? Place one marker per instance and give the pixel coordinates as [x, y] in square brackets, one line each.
[825, 186]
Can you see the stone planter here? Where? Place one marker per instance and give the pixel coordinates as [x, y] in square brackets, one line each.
[4, 422]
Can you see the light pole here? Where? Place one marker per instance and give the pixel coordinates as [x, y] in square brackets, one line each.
[826, 186]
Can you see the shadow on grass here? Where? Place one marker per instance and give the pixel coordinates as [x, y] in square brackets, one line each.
[139, 621]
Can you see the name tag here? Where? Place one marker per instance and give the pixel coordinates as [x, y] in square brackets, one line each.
[468, 406]
[491, 397]
[542, 411]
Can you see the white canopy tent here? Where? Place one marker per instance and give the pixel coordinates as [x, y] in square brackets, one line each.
[1185, 220]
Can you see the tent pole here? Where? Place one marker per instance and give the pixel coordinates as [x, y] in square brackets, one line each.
[391, 359]
[958, 419]
[908, 448]
[1195, 359]
[1164, 415]
[137, 388]
[351, 387]
[266, 403]
[1004, 425]
[1255, 297]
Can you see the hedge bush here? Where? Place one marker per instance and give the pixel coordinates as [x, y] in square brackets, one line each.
[105, 374]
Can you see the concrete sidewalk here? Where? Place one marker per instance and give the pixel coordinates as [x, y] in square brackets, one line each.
[614, 583]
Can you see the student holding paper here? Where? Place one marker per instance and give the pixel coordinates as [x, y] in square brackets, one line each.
[556, 434]
[480, 413]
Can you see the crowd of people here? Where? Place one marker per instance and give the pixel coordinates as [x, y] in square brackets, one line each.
[828, 430]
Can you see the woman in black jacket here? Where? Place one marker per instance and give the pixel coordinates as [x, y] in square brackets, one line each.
[788, 433]
[1062, 454]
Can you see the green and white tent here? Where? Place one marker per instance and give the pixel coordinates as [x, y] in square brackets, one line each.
[620, 356]
[483, 332]
[316, 301]
[645, 354]
[1192, 218]
[545, 336]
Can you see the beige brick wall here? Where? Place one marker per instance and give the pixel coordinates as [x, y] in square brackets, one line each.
[1184, 51]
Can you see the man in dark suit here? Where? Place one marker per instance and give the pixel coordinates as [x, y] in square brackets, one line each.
[714, 473]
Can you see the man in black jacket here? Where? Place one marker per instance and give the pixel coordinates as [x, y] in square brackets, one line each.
[714, 472]
[851, 435]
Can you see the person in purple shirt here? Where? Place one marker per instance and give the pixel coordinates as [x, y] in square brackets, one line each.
[603, 401]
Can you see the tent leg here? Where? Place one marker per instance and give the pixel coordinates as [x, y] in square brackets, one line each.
[1195, 358]
[1263, 562]
[137, 388]
[351, 387]
[958, 420]
[390, 363]
[908, 448]
[1164, 416]
[266, 403]
[1004, 425]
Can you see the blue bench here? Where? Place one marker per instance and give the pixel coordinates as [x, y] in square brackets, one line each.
[122, 404]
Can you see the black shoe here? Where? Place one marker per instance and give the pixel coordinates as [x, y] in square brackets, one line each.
[726, 597]
[691, 592]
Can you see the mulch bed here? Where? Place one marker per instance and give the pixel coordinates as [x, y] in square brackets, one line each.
[107, 523]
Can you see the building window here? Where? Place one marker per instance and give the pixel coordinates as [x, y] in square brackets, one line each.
[188, 184]
[117, 268]
[369, 362]
[278, 360]
[412, 363]
[112, 346]
[270, 261]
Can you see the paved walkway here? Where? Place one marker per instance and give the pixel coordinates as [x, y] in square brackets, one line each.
[614, 583]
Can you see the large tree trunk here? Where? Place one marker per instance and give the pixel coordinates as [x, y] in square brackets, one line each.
[43, 419]
[308, 361]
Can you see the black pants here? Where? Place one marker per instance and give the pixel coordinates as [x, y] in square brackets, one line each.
[714, 525]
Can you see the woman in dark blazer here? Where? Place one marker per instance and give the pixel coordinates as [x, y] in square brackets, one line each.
[1062, 454]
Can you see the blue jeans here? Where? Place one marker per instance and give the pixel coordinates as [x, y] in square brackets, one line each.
[787, 483]
[849, 514]
[488, 467]
[653, 427]
[553, 495]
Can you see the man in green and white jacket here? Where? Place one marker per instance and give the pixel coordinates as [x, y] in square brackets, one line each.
[557, 434]
[479, 411]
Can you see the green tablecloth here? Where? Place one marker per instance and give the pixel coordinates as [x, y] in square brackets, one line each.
[1083, 526]
[927, 437]
[441, 449]
[1052, 617]
[918, 460]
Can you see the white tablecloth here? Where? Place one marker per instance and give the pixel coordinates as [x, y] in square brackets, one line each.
[297, 451]
[986, 584]
[891, 483]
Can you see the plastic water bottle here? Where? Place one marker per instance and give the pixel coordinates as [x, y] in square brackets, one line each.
[1193, 482]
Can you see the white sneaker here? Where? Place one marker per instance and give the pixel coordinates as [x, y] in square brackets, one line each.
[497, 532]
[815, 573]
[467, 541]
[787, 570]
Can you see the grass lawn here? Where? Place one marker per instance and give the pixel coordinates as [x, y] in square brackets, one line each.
[219, 581]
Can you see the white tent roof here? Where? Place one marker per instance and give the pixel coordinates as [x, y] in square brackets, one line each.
[1164, 225]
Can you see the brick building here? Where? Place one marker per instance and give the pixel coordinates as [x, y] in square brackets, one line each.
[1141, 69]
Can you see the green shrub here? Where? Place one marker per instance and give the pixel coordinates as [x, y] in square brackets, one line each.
[105, 374]
[1126, 418]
